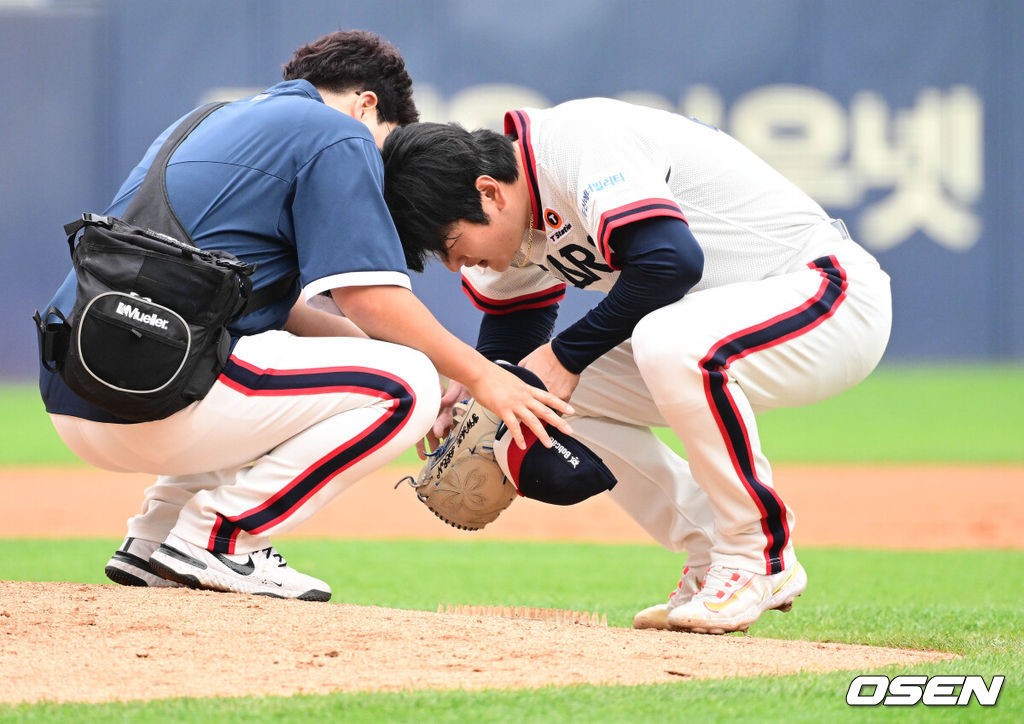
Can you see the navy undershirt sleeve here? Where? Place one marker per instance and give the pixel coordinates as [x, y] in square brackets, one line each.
[660, 262]
[512, 336]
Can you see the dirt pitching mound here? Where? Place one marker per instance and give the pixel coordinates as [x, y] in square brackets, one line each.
[89, 643]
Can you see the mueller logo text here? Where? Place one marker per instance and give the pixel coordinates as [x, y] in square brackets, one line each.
[133, 313]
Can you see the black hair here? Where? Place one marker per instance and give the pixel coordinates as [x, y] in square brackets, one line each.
[357, 60]
[430, 173]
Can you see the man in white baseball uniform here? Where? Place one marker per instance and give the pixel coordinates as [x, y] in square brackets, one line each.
[728, 291]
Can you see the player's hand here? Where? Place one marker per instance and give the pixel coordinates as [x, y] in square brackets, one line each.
[445, 419]
[518, 404]
[543, 363]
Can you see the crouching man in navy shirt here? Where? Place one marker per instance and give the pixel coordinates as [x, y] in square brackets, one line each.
[311, 400]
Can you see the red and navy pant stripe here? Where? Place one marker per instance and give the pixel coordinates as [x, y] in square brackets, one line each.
[714, 367]
[250, 381]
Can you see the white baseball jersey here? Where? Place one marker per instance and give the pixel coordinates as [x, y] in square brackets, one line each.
[596, 164]
[788, 311]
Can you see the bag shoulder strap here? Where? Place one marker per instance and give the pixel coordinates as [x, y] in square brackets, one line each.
[151, 207]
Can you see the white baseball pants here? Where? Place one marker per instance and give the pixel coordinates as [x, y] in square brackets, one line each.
[704, 366]
[291, 423]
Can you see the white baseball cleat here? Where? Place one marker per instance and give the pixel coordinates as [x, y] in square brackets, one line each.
[263, 573]
[656, 616]
[731, 599]
[129, 566]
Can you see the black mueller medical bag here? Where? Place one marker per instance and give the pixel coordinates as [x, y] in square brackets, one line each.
[148, 332]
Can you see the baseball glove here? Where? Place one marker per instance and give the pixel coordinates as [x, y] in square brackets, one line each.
[461, 482]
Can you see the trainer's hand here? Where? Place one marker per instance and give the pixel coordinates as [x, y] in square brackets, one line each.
[394, 314]
[543, 363]
[518, 404]
[445, 418]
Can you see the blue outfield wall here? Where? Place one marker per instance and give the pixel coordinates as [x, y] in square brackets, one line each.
[904, 121]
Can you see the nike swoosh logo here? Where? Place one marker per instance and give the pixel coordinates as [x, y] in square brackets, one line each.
[242, 569]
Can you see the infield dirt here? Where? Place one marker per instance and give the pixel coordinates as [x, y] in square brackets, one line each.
[897, 506]
[78, 642]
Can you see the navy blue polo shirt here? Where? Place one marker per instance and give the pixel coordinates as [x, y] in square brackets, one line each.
[283, 182]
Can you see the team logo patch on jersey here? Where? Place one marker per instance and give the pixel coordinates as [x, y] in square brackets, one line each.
[554, 222]
[552, 219]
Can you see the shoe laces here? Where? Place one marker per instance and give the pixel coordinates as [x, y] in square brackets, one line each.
[721, 579]
[687, 573]
[271, 553]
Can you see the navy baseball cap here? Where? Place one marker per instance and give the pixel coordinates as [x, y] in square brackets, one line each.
[566, 473]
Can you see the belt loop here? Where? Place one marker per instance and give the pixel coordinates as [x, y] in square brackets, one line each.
[840, 226]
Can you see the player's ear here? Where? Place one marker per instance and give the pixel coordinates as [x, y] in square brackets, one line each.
[367, 102]
[490, 190]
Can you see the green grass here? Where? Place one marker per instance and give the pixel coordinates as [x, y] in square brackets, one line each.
[968, 602]
[915, 414]
[29, 438]
[959, 413]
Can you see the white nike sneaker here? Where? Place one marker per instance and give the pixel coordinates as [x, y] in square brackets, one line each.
[129, 566]
[656, 616]
[731, 600]
[263, 573]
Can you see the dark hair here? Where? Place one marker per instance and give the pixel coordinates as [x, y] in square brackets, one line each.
[356, 60]
[430, 173]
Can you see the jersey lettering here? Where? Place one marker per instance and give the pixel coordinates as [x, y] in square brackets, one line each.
[581, 264]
